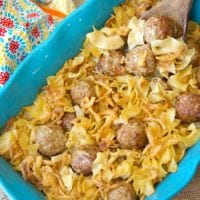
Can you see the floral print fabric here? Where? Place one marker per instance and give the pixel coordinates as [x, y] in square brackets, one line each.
[23, 26]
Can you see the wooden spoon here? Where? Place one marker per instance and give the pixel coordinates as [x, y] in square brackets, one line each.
[177, 10]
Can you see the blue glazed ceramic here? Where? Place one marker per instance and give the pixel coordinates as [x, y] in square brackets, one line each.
[46, 60]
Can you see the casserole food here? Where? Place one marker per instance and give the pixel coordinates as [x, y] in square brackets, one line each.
[78, 102]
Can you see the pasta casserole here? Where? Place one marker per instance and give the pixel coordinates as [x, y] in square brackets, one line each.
[117, 118]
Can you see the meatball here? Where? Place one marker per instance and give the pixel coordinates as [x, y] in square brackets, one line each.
[188, 107]
[112, 64]
[67, 121]
[50, 139]
[140, 61]
[132, 135]
[80, 91]
[82, 159]
[159, 28]
[122, 191]
[142, 7]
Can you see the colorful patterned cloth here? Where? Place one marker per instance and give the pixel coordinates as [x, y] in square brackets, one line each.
[23, 26]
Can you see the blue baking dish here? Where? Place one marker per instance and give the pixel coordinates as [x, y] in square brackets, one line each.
[24, 85]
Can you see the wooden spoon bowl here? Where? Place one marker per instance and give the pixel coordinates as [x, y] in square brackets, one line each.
[177, 10]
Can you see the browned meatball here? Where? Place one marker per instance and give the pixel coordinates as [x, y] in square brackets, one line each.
[140, 61]
[80, 91]
[142, 7]
[122, 191]
[82, 159]
[67, 121]
[112, 64]
[159, 28]
[132, 135]
[50, 139]
[188, 107]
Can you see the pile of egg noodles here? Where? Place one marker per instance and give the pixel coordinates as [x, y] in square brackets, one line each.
[117, 100]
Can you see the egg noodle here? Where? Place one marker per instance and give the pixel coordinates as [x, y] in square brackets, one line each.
[118, 99]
